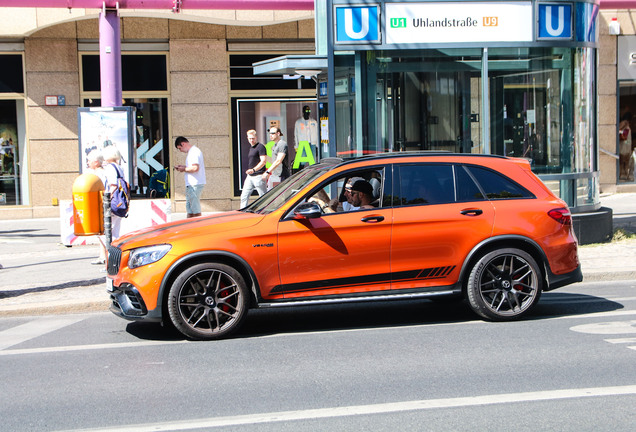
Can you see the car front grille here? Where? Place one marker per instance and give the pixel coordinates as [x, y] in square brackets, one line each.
[114, 258]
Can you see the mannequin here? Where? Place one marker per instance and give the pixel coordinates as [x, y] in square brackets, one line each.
[306, 129]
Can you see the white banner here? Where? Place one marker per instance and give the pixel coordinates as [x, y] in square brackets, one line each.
[411, 23]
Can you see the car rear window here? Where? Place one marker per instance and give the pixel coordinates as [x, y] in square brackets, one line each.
[496, 185]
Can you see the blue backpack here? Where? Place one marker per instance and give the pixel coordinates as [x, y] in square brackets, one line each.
[120, 198]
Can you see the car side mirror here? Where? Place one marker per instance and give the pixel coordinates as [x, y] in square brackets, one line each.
[308, 210]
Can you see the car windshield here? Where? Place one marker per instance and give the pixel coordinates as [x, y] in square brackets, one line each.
[283, 192]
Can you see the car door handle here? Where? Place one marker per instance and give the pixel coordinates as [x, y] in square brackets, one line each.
[372, 219]
[472, 212]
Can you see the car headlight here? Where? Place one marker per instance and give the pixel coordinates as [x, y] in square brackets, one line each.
[147, 255]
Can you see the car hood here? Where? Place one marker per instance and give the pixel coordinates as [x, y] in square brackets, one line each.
[194, 227]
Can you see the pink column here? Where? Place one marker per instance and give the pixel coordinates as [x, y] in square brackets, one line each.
[110, 58]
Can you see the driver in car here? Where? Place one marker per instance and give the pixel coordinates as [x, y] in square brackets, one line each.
[362, 195]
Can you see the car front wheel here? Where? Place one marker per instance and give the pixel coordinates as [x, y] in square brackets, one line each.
[208, 301]
[504, 284]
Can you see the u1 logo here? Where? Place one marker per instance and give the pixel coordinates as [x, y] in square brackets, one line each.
[398, 22]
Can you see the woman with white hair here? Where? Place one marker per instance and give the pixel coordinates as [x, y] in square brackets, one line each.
[111, 169]
[95, 160]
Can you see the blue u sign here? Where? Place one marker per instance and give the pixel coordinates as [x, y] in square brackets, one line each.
[357, 24]
[555, 21]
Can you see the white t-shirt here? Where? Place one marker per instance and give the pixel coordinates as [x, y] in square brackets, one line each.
[110, 174]
[195, 157]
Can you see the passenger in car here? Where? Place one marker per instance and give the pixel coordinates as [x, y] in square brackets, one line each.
[362, 195]
[348, 199]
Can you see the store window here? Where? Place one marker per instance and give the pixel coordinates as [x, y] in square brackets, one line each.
[539, 107]
[13, 157]
[540, 110]
[144, 85]
[296, 118]
[626, 131]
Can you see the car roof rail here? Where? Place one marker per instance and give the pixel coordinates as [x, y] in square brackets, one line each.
[409, 154]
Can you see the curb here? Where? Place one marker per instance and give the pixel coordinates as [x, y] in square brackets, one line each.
[56, 308]
[609, 276]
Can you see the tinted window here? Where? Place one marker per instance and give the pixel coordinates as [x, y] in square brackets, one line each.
[242, 75]
[11, 74]
[467, 189]
[497, 186]
[145, 72]
[425, 184]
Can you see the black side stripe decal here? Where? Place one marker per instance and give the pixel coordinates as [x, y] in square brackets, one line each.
[382, 278]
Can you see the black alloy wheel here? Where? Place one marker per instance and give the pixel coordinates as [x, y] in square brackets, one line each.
[208, 301]
[504, 284]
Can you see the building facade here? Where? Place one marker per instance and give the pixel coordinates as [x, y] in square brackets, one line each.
[186, 74]
[190, 74]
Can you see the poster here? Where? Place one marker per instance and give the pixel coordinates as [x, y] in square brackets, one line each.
[103, 127]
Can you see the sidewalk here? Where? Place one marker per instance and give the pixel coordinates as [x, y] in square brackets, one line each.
[41, 276]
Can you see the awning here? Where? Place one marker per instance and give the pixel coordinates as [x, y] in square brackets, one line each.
[306, 65]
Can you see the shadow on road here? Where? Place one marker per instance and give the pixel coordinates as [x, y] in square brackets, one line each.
[355, 316]
[29, 233]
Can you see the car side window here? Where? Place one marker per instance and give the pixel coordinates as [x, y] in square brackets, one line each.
[340, 194]
[467, 189]
[421, 184]
[497, 186]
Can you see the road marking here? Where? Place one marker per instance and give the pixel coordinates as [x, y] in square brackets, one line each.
[33, 329]
[595, 315]
[87, 347]
[613, 327]
[621, 340]
[385, 408]
[564, 299]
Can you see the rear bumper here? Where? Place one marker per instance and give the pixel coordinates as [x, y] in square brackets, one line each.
[558, 281]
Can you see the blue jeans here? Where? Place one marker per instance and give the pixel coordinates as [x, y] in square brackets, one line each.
[193, 199]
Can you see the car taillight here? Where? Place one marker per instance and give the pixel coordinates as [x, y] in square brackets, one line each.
[561, 215]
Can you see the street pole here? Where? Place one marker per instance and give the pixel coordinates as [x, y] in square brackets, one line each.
[108, 227]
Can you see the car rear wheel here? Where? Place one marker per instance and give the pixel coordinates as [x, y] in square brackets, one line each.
[208, 301]
[504, 284]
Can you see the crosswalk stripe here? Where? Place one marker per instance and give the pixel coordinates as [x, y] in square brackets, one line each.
[87, 347]
[32, 329]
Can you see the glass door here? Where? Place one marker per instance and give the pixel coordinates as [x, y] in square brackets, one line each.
[12, 153]
[428, 102]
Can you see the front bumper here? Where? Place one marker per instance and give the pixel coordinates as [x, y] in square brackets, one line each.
[127, 303]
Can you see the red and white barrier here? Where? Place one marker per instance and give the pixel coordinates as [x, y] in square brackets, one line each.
[142, 214]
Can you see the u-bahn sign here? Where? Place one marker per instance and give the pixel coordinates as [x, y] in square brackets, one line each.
[409, 23]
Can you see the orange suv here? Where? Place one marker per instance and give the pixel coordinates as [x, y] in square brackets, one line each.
[381, 227]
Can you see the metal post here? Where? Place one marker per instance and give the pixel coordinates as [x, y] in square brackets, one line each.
[108, 216]
[110, 58]
[485, 104]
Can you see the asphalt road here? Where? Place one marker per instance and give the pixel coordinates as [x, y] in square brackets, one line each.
[406, 366]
